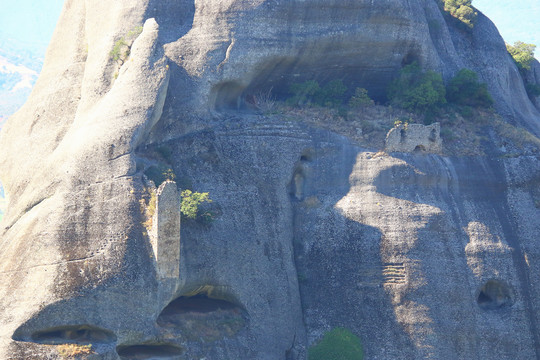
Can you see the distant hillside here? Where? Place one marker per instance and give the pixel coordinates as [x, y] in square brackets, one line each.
[20, 64]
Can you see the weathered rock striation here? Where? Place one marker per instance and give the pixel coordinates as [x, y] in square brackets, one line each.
[423, 256]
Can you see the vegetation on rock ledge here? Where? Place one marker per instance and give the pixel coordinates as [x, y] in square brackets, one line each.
[464, 89]
[337, 344]
[416, 90]
[522, 53]
[461, 10]
[122, 46]
[191, 202]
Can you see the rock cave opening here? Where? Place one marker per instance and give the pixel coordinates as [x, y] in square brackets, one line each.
[79, 334]
[410, 58]
[419, 149]
[495, 295]
[271, 79]
[228, 96]
[193, 316]
[149, 351]
[199, 303]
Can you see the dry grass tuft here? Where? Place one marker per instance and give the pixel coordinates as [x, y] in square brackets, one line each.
[148, 208]
[74, 350]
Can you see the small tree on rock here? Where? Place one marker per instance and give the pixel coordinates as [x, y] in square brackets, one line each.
[191, 201]
[522, 53]
[417, 91]
[461, 10]
[464, 89]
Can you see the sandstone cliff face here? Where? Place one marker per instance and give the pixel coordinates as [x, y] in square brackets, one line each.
[421, 256]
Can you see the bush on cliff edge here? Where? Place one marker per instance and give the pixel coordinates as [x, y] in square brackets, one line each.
[337, 344]
[417, 91]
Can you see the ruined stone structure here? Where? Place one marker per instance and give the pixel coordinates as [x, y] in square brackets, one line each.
[415, 138]
[165, 237]
[421, 257]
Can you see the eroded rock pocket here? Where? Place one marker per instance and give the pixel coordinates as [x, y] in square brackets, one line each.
[200, 318]
[495, 295]
[72, 334]
[147, 352]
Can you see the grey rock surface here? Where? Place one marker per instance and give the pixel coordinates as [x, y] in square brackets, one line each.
[533, 78]
[421, 256]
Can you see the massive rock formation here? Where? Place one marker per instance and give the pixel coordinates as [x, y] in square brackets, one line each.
[421, 256]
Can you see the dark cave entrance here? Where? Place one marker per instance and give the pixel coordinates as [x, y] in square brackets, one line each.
[495, 295]
[149, 352]
[78, 334]
[272, 79]
[198, 303]
[201, 317]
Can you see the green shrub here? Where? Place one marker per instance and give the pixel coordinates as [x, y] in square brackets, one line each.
[522, 53]
[337, 344]
[133, 33]
[309, 92]
[330, 95]
[417, 91]
[191, 202]
[121, 49]
[303, 93]
[466, 111]
[464, 89]
[360, 99]
[461, 10]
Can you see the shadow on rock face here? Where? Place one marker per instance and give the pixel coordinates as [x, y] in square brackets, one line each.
[149, 352]
[200, 318]
[344, 279]
[83, 334]
[175, 17]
